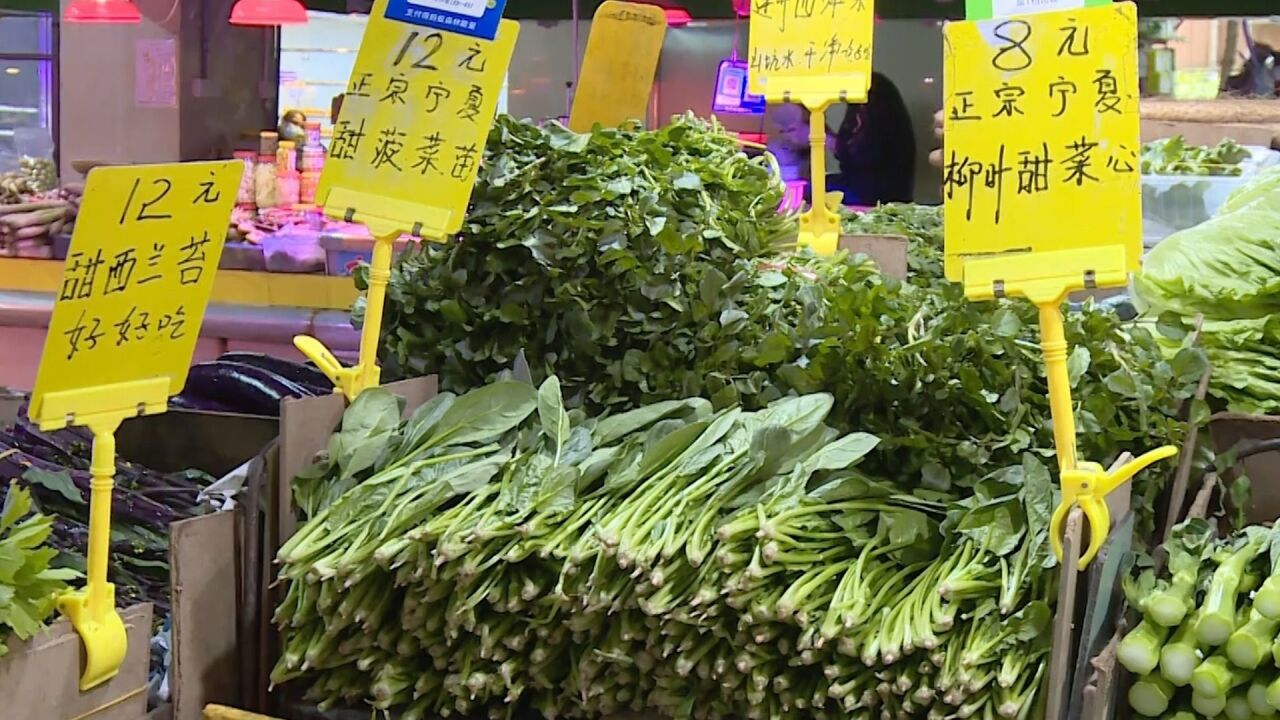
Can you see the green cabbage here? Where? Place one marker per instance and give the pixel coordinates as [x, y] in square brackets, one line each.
[1228, 270]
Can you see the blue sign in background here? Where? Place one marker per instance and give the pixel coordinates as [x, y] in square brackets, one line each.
[731, 95]
[428, 14]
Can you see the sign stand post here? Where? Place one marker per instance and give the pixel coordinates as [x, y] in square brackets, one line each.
[813, 57]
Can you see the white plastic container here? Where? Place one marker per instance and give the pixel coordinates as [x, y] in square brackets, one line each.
[1176, 202]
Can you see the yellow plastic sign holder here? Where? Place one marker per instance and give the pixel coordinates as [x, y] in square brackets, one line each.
[813, 55]
[1084, 484]
[416, 116]
[1041, 121]
[92, 611]
[617, 71]
[135, 287]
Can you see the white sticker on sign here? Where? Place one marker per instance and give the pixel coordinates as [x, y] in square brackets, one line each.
[1008, 8]
[469, 8]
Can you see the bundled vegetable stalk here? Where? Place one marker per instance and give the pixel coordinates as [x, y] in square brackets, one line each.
[1208, 644]
[54, 468]
[31, 224]
[496, 553]
[28, 585]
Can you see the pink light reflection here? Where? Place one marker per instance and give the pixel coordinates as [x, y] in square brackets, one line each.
[793, 198]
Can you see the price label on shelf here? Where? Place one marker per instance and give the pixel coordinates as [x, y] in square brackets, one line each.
[138, 276]
[1042, 137]
[415, 117]
[621, 60]
[811, 52]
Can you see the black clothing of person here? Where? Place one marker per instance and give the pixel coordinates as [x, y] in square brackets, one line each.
[876, 148]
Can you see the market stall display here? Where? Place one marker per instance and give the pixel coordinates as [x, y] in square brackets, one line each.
[32, 211]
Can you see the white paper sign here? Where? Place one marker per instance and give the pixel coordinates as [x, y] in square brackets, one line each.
[1009, 8]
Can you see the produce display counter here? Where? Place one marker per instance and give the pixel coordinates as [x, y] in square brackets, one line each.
[254, 311]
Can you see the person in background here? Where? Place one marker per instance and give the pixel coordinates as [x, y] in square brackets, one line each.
[789, 140]
[335, 107]
[876, 148]
[293, 126]
[935, 157]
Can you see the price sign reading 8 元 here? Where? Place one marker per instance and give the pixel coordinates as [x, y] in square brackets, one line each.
[415, 118]
[1042, 135]
[138, 275]
[811, 48]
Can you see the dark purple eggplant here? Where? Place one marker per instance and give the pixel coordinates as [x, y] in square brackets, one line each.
[244, 388]
[298, 373]
[187, 402]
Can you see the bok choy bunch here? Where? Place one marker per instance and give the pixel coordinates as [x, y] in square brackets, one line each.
[495, 554]
[1209, 640]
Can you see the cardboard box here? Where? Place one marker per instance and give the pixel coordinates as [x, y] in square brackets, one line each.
[888, 251]
[1238, 430]
[40, 678]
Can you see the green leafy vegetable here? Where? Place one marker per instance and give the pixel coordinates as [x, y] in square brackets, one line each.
[28, 586]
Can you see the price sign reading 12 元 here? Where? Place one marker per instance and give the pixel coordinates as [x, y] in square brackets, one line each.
[415, 118]
[1042, 135]
[138, 275]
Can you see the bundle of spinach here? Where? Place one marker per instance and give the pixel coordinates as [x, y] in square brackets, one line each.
[28, 586]
[497, 553]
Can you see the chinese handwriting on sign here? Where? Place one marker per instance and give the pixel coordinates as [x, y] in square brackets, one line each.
[138, 274]
[1042, 118]
[835, 47]
[420, 103]
[808, 38]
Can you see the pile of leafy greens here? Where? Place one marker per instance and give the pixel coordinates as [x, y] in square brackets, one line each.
[627, 308]
[1227, 270]
[1175, 156]
[28, 585]
[496, 554]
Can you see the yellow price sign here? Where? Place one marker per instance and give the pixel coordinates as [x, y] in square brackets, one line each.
[811, 51]
[618, 69]
[415, 118]
[137, 278]
[1042, 151]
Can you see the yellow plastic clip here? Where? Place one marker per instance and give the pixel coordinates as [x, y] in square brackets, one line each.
[366, 373]
[820, 224]
[1088, 486]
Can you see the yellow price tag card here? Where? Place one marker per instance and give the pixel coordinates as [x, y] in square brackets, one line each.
[138, 276]
[1042, 138]
[415, 118]
[811, 51]
[618, 69]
